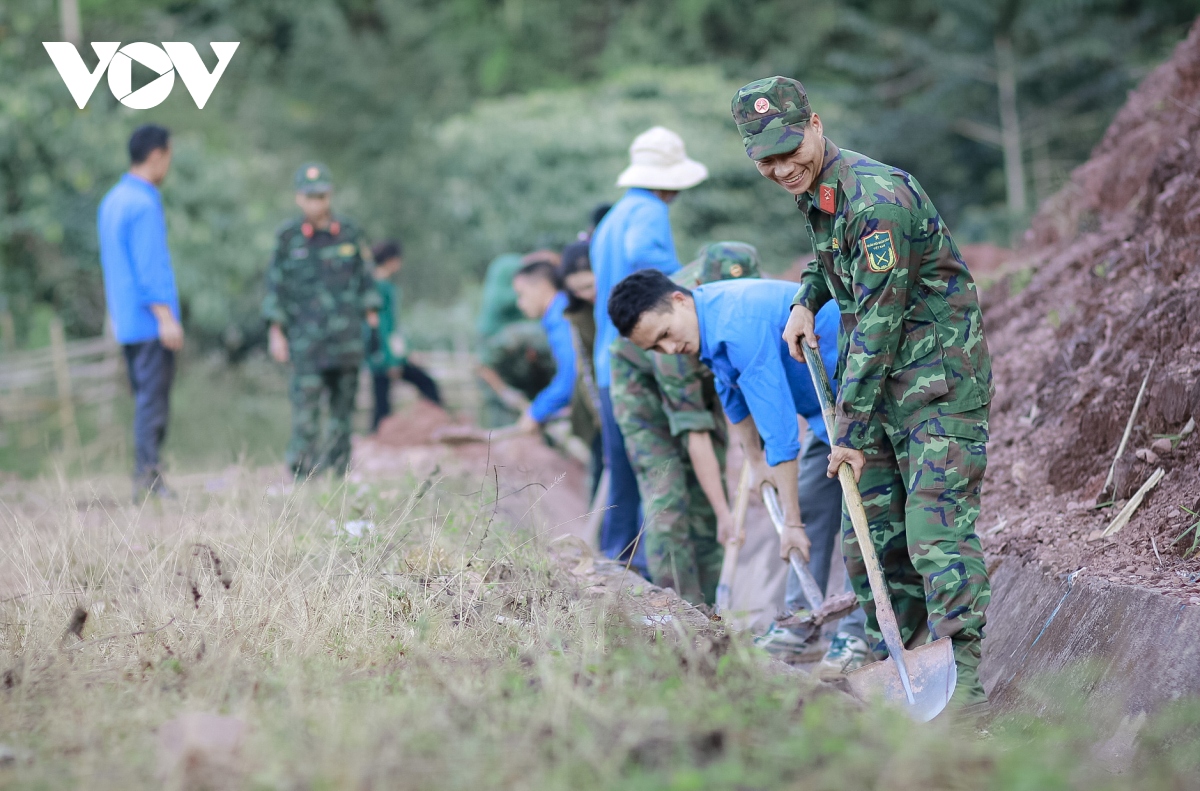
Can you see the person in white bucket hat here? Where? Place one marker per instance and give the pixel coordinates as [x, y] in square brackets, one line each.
[658, 161]
[635, 234]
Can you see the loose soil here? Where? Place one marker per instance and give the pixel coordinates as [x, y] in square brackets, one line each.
[1106, 286]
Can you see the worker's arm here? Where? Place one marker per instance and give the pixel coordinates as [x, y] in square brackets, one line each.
[273, 308]
[557, 394]
[783, 476]
[170, 331]
[708, 473]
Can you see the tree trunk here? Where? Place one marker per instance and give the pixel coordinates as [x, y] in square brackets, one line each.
[1010, 131]
[72, 28]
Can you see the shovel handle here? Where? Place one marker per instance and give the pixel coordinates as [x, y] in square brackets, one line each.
[858, 517]
[733, 548]
[808, 583]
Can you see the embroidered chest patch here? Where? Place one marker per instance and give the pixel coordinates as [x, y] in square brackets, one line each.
[347, 249]
[881, 254]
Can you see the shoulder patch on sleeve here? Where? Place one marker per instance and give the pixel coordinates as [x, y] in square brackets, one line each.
[879, 250]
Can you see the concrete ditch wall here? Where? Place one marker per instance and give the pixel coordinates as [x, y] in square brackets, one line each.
[1127, 650]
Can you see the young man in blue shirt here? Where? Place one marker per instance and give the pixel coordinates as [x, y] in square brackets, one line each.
[635, 234]
[736, 329]
[143, 302]
[538, 297]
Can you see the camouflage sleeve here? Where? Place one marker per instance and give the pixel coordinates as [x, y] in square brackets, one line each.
[884, 269]
[371, 299]
[814, 290]
[273, 309]
[680, 379]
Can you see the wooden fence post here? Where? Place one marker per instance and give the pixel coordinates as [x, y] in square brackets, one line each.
[62, 381]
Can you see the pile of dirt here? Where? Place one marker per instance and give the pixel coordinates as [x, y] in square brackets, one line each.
[1110, 290]
[534, 481]
[415, 425]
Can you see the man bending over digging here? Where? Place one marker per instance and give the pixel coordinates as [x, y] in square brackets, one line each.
[734, 327]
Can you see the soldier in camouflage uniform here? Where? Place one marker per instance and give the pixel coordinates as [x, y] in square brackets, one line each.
[319, 288]
[512, 349]
[667, 408]
[915, 374]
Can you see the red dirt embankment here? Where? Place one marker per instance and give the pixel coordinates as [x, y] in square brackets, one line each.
[1115, 289]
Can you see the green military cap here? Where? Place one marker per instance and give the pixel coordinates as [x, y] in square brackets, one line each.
[771, 115]
[313, 177]
[720, 261]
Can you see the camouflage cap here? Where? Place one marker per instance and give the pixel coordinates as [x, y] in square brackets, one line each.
[771, 115]
[313, 177]
[720, 261]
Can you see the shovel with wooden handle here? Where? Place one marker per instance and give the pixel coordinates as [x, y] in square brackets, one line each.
[920, 680]
[808, 583]
[734, 547]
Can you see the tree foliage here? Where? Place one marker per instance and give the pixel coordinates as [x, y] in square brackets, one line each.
[474, 127]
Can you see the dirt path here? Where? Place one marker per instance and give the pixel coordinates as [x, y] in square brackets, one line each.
[546, 489]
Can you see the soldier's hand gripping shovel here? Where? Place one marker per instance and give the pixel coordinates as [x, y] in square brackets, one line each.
[733, 548]
[920, 680]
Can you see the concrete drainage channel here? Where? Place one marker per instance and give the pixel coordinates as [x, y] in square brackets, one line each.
[1058, 644]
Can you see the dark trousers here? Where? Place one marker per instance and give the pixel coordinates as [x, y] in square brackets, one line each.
[622, 521]
[151, 368]
[382, 386]
[821, 510]
[418, 378]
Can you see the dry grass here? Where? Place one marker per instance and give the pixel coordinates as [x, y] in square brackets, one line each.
[444, 649]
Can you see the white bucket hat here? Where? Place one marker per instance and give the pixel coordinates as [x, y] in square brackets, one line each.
[658, 161]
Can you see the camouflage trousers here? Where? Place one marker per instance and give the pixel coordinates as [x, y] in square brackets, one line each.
[681, 530]
[310, 451]
[680, 526]
[921, 490]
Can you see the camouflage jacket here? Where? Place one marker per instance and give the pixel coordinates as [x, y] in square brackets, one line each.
[319, 289]
[913, 340]
[681, 382]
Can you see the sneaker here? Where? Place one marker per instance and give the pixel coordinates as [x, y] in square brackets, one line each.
[786, 644]
[151, 484]
[846, 652]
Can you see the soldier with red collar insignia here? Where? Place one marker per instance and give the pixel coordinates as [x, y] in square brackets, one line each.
[914, 371]
[319, 289]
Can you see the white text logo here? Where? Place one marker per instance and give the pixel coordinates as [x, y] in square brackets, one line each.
[171, 57]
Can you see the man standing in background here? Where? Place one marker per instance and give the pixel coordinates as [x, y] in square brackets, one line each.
[635, 234]
[143, 302]
[319, 289]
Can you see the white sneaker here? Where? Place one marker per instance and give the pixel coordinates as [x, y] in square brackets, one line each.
[846, 652]
[784, 643]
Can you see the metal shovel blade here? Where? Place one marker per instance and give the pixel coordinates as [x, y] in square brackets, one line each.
[931, 675]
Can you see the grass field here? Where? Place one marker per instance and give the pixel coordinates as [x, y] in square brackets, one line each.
[220, 415]
[439, 650]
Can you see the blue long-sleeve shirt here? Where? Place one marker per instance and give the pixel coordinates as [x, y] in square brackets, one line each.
[635, 234]
[133, 253]
[741, 340]
[557, 394]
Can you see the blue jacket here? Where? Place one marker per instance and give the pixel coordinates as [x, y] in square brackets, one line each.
[741, 340]
[557, 394]
[635, 234]
[133, 253]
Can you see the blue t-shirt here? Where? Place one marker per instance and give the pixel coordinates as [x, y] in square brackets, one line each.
[635, 234]
[557, 394]
[741, 340]
[133, 253]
